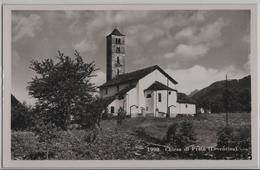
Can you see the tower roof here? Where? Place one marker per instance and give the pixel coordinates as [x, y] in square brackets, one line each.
[116, 32]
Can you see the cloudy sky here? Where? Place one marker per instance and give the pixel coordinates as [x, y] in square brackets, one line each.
[196, 48]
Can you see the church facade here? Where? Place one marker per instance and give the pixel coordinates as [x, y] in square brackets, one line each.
[149, 91]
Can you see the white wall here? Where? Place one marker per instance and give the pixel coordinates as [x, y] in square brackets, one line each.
[149, 102]
[131, 99]
[116, 104]
[190, 109]
[147, 81]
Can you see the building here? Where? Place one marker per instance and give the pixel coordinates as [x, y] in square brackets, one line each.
[146, 92]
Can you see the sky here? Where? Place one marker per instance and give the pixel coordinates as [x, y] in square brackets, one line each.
[195, 47]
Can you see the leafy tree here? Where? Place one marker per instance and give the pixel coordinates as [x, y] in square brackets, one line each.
[95, 111]
[62, 88]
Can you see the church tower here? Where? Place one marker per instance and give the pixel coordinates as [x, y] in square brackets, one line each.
[115, 54]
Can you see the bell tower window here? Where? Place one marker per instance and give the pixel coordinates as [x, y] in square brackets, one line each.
[118, 49]
[117, 60]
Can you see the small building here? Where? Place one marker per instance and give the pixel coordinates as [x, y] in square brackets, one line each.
[146, 92]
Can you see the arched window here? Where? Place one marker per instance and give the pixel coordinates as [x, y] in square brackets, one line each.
[117, 60]
[112, 109]
[118, 49]
[119, 41]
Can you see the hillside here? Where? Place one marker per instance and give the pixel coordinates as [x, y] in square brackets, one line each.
[239, 99]
[129, 141]
[193, 92]
[19, 114]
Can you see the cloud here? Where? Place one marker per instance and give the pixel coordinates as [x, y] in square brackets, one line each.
[247, 64]
[197, 41]
[198, 77]
[188, 52]
[99, 79]
[207, 34]
[246, 39]
[16, 59]
[84, 46]
[25, 26]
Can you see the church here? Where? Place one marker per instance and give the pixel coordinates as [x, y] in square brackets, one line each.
[145, 92]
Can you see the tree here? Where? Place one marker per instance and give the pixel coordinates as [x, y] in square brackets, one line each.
[62, 88]
[95, 111]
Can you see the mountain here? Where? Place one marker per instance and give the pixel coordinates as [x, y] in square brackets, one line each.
[19, 114]
[237, 96]
[193, 92]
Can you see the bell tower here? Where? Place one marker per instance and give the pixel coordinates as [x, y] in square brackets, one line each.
[115, 54]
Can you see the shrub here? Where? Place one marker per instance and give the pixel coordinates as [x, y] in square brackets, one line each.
[121, 114]
[181, 135]
[236, 140]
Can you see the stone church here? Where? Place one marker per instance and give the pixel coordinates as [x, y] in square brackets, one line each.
[148, 91]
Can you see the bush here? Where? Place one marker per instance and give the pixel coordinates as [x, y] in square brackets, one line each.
[237, 140]
[121, 115]
[181, 135]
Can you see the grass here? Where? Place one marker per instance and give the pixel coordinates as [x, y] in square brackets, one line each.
[122, 142]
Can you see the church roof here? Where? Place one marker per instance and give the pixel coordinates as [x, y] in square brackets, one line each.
[183, 98]
[159, 86]
[116, 32]
[135, 76]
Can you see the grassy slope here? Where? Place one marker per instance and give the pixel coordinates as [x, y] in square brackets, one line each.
[124, 143]
[205, 126]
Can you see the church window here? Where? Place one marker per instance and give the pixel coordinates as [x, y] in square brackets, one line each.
[118, 41]
[112, 109]
[159, 97]
[148, 96]
[186, 105]
[117, 60]
[169, 93]
[118, 49]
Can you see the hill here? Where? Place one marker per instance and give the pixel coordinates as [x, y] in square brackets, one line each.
[19, 114]
[239, 96]
[193, 92]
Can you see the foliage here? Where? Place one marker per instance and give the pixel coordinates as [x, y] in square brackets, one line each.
[62, 88]
[126, 144]
[238, 140]
[181, 135]
[93, 113]
[121, 115]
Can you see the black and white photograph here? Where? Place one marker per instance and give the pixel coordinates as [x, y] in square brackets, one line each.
[131, 84]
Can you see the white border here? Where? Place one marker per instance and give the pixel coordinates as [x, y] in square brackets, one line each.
[94, 164]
